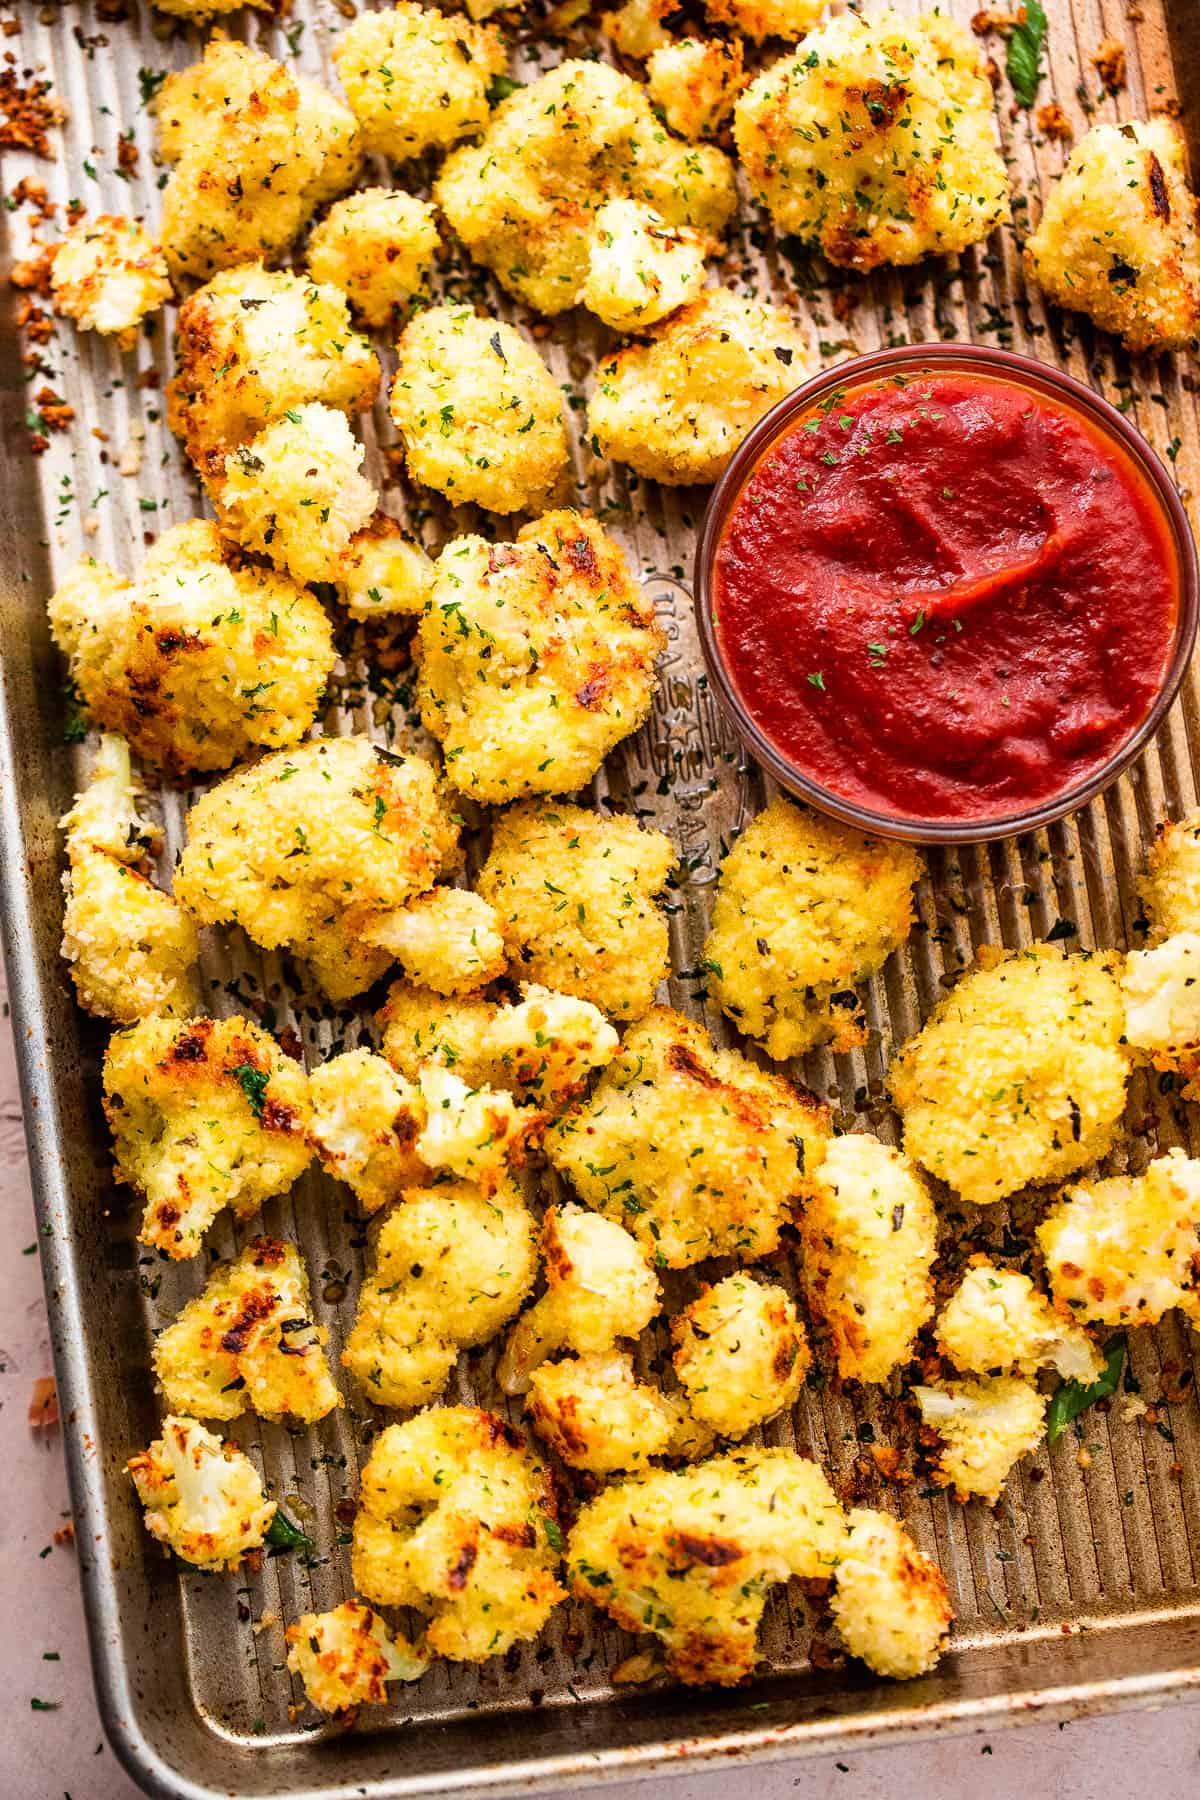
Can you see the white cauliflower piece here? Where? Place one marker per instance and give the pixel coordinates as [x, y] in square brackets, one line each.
[544, 1049]
[1161, 990]
[640, 268]
[596, 1415]
[382, 570]
[1124, 1251]
[1170, 888]
[108, 274]
[296, 493]
[377, 246]
[890, 1601]
[741, 1354]
[475, 1133]
[985, 1427]
[417, 79]
[203, 1498]
[366, 1120]
[694, 83]
[346, 1657]
[996, 1320]
[447, 940]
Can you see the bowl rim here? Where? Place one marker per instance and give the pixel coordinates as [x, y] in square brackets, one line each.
[1021, 369]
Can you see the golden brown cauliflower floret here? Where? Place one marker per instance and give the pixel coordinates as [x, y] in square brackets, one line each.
[383, 570]
[474, 1132]
[451, 1267]
[869, 1232]
[874, 141]
[203, 1499]
[639, 268]
[312, 845]
[537, 658]
[1170, 888]
[254, 342]
[366, 1120]
[759, 19]
[575, 894]
[479, 413]
[204, 1114]
[448, 940]
[346, 1657]
[108, 274]
[690, 1556]
[205, 658]
[676, 408]
[131, 948]
[596, 1415]
[1018, 1076]
[805, 908]
[256, 150]
[1161, 990]
[417, 79]
[420, 1026]
[296, 493]
[1123, 1251]
[459, 1520]
[890, 1601]
[694, 83]
[377, 246]
[249, 1340]
[985, 1427]
[694, 1149]
[523, 201]
[996, 1320]
[1117, 238]
[741, 1354]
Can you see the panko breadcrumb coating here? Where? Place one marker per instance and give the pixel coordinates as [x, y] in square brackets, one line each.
[458, 1519]
[690, 1556]
[448, 940]
[131, 949]
[890, 1601]
[1018, 1076]
[377, 247]
[1161, 990]
[451, 1267]
[537, 658]
[256, 150]
[470, 1131]
[203, 659]
[249, 1340]
[310, 845]
[676, 408]
[1123, 1251]
[524, 199]
[108, 274]
[254, 342]
[575, 894]
[694, 83]
[382, 570]
[205, 1114]
[346, 1657]
[366, 1120]
[694, 1149]
[596, 1415]
[479, 413]
[296, 493]
[203, 1499]
[869, 1232]
[639, 268]
[805, 908]
[1117, 237]
[996, 1320]
[875, 141]
[985, 1427]
[759, 19]
[1170, 888]
[419, 1026]
[741, 1354]
[417, 79]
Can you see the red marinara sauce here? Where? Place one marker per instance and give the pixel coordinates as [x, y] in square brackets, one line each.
[946, 596]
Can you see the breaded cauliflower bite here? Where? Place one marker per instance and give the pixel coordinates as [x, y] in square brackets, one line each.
[996, 1320]
[203, 1499]
[575, 895]
[1161, 990]
[639, 268]
[890, 1601]
[676, 408]
[694, 82]
[377, 247]
[296, 493]
[452, 1265]
[310, 846]
[205, 658]
[366, 1120]
[459, 1520]
[596, 1415]
[805, 908]
[476, 1133]
[985, 1427]
[741, 1354]
[875, 141]
[694, 1149]
[382, 570]
[249, 1341]
[1170, 887]
[346, 1657]
[256, 150]
[691, 1555]
[537, 658]
[204, 1114]
[1117, 237]
[524, 199]
[448, 939]
[1124, 1251]
[108, 274]
[1018, 1076]
[869, 1232]
[759, 19]
[479, 413]
[599, 1289]
[131, 949]
[417, 79]
[253, 343]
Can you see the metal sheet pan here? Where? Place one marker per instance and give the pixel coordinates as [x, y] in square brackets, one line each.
[1080, 1591]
